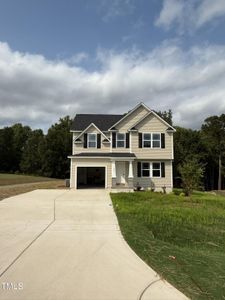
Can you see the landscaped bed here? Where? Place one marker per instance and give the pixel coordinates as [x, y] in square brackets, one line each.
[181, 238]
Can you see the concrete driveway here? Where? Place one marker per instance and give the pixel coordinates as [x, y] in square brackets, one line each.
[62, 245]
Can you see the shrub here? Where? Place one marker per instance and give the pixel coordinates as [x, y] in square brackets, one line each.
[191, 175]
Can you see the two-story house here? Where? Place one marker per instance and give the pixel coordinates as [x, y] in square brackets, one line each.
[122, 151]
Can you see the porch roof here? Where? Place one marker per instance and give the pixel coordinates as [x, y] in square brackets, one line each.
[101, 154]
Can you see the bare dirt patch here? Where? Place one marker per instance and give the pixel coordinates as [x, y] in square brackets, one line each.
[16, 189]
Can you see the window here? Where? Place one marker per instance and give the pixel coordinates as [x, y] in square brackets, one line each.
[147, 140]
[120, 140]
[151, 140]
[156, 169]
[156, 140]
[92, 141]
[145, 169]
[149, 169]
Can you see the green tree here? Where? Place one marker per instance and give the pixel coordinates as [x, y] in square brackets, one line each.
[20, 136]
[33, 153]
[58, 147]
[166, 115]
[187, 144]
[213, 134]
[191, 174]
[7, 152]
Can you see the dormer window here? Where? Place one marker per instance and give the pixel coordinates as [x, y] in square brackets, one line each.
[92, 140]
[120, 140]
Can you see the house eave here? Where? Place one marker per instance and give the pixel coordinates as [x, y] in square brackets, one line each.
[103, 157]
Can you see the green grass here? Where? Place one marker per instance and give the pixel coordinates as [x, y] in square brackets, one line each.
[9, 179]
[182, 239]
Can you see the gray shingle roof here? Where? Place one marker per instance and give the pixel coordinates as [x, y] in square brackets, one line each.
[111, 154]
[103, 122]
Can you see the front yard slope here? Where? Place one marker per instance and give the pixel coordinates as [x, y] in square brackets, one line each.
[182, 239]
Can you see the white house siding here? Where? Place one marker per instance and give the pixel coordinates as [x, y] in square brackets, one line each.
[91, 162]
[151, 124]
[128, 122]
[75, 135]
[157, 183]
[79, 147]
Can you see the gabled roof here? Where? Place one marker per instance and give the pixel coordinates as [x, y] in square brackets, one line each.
[92, 124]
[170, 128]
[102, 121]
[129, 113]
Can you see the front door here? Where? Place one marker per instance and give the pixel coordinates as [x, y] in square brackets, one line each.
[120, 172]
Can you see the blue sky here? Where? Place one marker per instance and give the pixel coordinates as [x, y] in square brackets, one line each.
[65, 57]
[61, 28]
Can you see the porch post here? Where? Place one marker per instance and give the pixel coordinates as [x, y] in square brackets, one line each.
[113, 169]
[130, 174]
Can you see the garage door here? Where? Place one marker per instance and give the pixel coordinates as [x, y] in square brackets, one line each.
[90, 177]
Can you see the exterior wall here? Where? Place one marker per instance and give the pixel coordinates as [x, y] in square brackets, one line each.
[156, 183]
[133, 118]
[152, 124]
[128, 122]
[90, 162]
[146, 183]
[105, 147]
[79, 147]
[75, 135]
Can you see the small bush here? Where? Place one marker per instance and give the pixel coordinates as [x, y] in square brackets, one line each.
[191, 175]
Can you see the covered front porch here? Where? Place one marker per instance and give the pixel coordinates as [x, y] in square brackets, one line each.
[122, 173]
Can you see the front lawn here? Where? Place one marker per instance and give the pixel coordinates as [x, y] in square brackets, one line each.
[182, 239]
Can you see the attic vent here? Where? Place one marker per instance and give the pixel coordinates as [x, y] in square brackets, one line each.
[105, 141]
[78, 141]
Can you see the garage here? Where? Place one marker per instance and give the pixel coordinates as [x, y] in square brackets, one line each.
[90, 177]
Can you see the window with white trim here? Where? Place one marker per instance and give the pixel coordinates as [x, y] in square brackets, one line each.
[146, 140]
[156, 169]
[151, 140]
[145, 169]
[149, 169]
[92, 140]
[120, 140]
[156, 140]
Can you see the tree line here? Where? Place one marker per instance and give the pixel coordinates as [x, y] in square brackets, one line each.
[23, 150]
[28, 151]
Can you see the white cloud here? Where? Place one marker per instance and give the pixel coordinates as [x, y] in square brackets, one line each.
[37, 91]
[209, 10]
[171, 12]
[77, 58]
[189, 15]
[115, 8]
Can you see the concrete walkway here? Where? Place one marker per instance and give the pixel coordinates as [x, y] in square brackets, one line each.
[64, 245]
